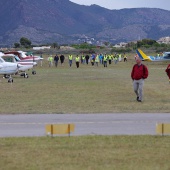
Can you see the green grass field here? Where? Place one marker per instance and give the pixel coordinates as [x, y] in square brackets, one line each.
[87, 152]
[85, 90]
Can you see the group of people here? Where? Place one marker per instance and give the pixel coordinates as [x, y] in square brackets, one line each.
[104, 59]
[138, 74]
[56, 60]
[94, 59]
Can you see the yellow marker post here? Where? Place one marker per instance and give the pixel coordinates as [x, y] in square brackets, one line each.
[163, 128]
[52, 129]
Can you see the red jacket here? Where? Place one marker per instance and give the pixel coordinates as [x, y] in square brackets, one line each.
[139, 72]
[168, 70]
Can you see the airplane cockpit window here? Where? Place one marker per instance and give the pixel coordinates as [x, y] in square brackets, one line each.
[8, 59]
[167, 55]
[17, 58]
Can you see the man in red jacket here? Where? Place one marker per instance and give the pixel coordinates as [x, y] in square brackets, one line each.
[168, 71]
[138, 74]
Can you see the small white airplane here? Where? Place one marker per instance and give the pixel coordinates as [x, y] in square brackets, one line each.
[25, 65]
[7, 68]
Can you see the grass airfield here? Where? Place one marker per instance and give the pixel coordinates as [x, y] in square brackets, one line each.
[87, 152]
[85, 90]
[88, 89]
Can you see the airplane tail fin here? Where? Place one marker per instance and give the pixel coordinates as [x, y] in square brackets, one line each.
[142, 55]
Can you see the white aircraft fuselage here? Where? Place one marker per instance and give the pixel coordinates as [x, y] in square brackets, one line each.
[24, 58]
[8, 68]
[14, 59]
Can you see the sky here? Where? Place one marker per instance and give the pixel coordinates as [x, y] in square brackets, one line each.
[120, 4]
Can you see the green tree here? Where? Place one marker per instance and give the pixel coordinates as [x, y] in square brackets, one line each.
[146, 43]
[25, 42]
[106, 43]
[55, 45]
[16, 45]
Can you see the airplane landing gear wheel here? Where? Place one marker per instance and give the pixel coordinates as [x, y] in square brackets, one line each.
[10, 80]
[33, 72]
[26, 76]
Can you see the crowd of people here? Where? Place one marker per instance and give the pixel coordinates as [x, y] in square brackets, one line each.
[94, 59]
[138, 74]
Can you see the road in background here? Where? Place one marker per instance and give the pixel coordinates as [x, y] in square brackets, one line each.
[27, 125]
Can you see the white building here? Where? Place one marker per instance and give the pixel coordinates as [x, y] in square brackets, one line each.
[164, 40]
[120, 45]
[41, 48]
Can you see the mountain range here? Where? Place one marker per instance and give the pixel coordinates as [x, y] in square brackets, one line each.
[62, 21]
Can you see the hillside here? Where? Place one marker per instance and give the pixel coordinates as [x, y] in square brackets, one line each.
[62, 21]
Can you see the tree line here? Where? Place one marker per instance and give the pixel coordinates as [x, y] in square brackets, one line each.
[144, 43]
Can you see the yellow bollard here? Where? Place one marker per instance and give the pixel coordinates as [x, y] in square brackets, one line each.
[59, 129]
[163, 128]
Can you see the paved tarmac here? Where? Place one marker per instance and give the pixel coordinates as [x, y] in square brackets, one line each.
[29, 125]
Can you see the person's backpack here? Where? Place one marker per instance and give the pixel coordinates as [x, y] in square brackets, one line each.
[144, 69]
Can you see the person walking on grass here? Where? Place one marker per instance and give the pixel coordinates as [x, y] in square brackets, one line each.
[139, 74]
[87, 59]
[97, 60]
[77, 59]
[105, 60]
[125, 57]
[70, 59]
[168, 71]
[56, 58]
[50, 61]
[92, 59]
[62, 58]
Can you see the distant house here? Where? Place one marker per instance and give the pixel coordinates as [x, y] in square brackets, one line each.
[41, 48]
[66, 48]
[120, 45]
[3, 49]
[164, 40]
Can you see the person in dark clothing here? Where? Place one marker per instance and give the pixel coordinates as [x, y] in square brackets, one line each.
[139, 74]
[92, 59]
[56, 58]
[62, 59]
[87, 59]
